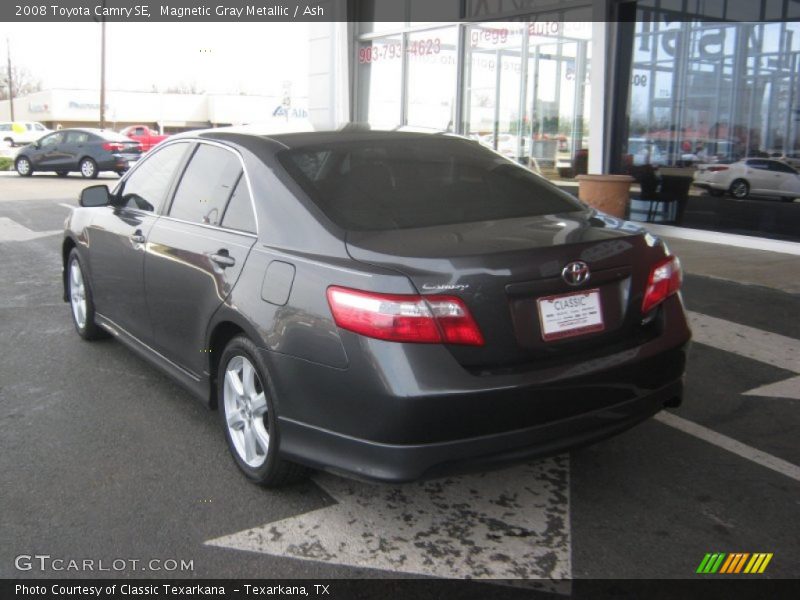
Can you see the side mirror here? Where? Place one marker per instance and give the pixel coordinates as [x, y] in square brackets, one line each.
[95, 195]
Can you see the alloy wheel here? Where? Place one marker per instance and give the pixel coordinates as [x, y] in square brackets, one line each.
[23, 166]
[87, 168]
[739, 189]
[245, 406]
[77, 294]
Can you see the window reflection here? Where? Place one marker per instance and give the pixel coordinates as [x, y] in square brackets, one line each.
[708, 92]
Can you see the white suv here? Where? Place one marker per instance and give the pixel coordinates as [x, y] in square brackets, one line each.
[18, 133]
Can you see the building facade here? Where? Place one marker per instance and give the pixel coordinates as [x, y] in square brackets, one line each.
[572, 85]
[166, 112]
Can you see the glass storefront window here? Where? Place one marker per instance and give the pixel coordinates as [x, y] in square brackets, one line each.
[526, 92]
[380, 69]
[432, 60]
[704, 92]
[518, 87]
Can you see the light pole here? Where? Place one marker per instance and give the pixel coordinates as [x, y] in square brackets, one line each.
[103, 70]
[10, 80]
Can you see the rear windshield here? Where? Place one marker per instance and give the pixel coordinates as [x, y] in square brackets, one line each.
[419, 182]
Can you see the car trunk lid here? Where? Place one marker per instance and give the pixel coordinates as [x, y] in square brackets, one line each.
[502, 269]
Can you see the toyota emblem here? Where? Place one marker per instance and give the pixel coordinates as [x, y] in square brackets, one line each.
[575, 273]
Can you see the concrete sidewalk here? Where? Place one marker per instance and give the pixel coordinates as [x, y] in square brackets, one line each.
[743, 259]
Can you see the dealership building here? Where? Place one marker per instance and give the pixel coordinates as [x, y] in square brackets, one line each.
[165, 112]
[616, 82]
[572, 86]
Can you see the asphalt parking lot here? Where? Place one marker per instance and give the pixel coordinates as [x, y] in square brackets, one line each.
[104, 458]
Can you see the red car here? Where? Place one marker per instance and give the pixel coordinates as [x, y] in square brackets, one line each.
[144, 135]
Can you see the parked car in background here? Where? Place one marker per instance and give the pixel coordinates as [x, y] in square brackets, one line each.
[645, 152]
[87, 151]
[144, 135]
[756, 176]
[16, 133]
[791, 158]
[391, 305]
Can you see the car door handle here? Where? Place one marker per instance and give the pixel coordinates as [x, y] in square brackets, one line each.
[223, 259]
[138, 238]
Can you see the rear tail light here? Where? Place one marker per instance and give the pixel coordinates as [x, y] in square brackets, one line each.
[112, 146]
[665, 279]
[717, 168]
[404, 318]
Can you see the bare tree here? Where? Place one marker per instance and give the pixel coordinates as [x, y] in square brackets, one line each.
[24, 82]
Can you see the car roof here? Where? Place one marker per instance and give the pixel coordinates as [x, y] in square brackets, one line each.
[104, 133]
[297, 140]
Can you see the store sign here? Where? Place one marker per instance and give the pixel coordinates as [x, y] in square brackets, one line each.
[493, 9]
[74, 104]
[290, 113]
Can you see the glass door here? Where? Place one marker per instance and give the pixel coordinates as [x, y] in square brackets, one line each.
[526, 93]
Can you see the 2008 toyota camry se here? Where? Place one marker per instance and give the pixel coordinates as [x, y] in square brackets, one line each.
[388, 305]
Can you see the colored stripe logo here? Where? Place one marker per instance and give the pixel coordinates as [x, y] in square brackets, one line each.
[735, 562]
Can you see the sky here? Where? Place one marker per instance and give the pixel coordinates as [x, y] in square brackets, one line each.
[254, 58]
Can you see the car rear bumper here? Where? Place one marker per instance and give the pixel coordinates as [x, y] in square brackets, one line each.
[398, 463]
[708, 185]
[116, 162]
[401, 412]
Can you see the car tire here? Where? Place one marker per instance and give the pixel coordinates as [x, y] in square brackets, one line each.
[81, 301]
[740, 189]
[120, 173]
[23, 166]
[247, 410]
[88, 168]
[9, 142]
[62, 173]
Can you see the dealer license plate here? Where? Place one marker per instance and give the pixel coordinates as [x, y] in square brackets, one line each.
[568, 315]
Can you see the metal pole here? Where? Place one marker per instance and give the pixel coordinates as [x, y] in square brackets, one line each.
[10, 80]
[103, 73]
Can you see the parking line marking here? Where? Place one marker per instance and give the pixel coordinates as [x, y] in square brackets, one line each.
[11, 231]
[763, 346]
[725, 239]
[788, 388]
[65, 205]
[506, 524]
[726, 443]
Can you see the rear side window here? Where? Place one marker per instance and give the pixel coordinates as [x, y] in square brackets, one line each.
[147, 187]
[206, 185]
[239, 214]
[77, 137]
[780, 167]
[397, 183]
[758, 164]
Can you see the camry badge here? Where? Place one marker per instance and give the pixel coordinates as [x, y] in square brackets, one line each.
[575, 273]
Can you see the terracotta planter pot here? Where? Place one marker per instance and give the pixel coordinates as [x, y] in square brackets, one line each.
[607, 193]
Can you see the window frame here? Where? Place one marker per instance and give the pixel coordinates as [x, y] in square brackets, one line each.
[164, 213]
[120, 187]
[228, 205]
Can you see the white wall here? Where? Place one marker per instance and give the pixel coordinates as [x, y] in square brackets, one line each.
[129, 107]
[329, 76]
